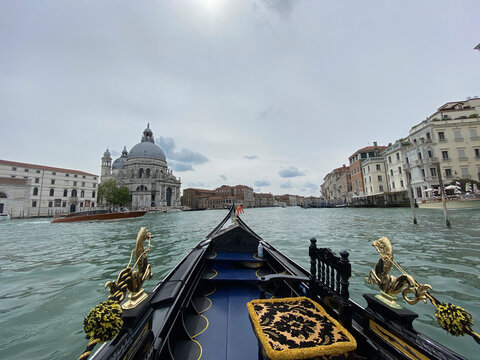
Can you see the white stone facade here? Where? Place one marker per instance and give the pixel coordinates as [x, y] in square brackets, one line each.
[375, 179]
[395, 168]
[53, 190]
[449, 138]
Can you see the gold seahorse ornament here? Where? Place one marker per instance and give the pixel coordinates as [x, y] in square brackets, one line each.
[132, 280]
[391, 285]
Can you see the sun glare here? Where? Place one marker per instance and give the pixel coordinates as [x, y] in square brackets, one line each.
[213, 6]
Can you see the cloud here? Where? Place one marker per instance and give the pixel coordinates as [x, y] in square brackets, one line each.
[286, 185]
[261, 183]
[283, 8]
[114, 153]
[290, 172]
[250, 157]
[223, 177]
[180, 160]
[179, 166]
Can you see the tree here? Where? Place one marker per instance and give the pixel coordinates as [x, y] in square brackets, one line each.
[110, 194]
[122, 196]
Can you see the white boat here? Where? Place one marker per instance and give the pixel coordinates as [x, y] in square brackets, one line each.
[452, 203]
[4, 217]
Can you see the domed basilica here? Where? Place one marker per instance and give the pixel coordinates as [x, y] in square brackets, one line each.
[145, 173]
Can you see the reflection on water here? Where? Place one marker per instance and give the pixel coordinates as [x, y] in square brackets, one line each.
[51, 275]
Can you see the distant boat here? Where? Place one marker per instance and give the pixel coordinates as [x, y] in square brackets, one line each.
[99, 215]
[452, 204]
[4, 217]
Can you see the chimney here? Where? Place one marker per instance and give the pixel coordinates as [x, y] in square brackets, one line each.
[375, 144]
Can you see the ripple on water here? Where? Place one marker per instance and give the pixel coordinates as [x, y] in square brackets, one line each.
[51, 275]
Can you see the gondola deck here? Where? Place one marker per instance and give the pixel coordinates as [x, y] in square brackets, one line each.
[222, 329]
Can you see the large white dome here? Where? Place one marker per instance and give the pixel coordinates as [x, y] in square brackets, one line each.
[147, 148]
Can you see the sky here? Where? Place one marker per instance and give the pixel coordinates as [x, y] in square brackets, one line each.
[269, 94]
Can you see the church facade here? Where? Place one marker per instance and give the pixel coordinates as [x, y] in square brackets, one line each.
[144, 171]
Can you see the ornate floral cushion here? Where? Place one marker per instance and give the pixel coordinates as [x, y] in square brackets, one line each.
[298, 328]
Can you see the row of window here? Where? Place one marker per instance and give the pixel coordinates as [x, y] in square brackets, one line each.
[14, 168]
[52, 182]
[457, 135]
[60, 203]
[65, 192]
[461, 154]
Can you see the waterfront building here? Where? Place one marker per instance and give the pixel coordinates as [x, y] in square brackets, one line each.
[238, 194]
[14, 196]
[446, 144]
[49, 190]
[394, 167]
[263, 200]
[300, 200]
[355, 165]
[144, 171]
[191, 197]
[374, 176]
[244, 195]
[336, 185]
[288, 199]
[222, 197]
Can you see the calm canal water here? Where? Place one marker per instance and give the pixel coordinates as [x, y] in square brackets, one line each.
[51, 275]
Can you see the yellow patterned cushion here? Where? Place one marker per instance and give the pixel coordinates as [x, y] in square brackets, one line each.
[298, 328]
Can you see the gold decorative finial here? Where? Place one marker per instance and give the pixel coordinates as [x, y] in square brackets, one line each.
[391, 285]
[133, 279]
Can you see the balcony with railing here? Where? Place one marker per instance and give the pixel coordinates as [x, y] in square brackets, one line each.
[425, 162]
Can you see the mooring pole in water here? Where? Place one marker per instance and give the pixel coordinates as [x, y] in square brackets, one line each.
[410, 195]
[444, 200]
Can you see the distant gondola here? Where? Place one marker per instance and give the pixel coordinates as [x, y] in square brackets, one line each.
[234, 296]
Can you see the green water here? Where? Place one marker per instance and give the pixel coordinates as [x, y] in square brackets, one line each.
[51, 275]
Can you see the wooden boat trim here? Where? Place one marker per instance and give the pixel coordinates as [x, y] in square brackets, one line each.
[100, 216]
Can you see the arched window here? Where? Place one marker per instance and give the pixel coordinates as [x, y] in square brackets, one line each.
[52, 192]
[35, 191]
[140, 173]
[82, 193]
[148, 173]
[65, 192]
[3, 195]
[74, 193]
[142, 188]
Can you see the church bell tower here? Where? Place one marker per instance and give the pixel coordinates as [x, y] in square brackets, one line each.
[106, 166]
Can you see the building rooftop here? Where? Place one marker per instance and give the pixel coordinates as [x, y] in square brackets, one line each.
[43, 167]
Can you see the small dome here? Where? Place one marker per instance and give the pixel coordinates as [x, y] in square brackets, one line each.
[120, 162]
[106, 153]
